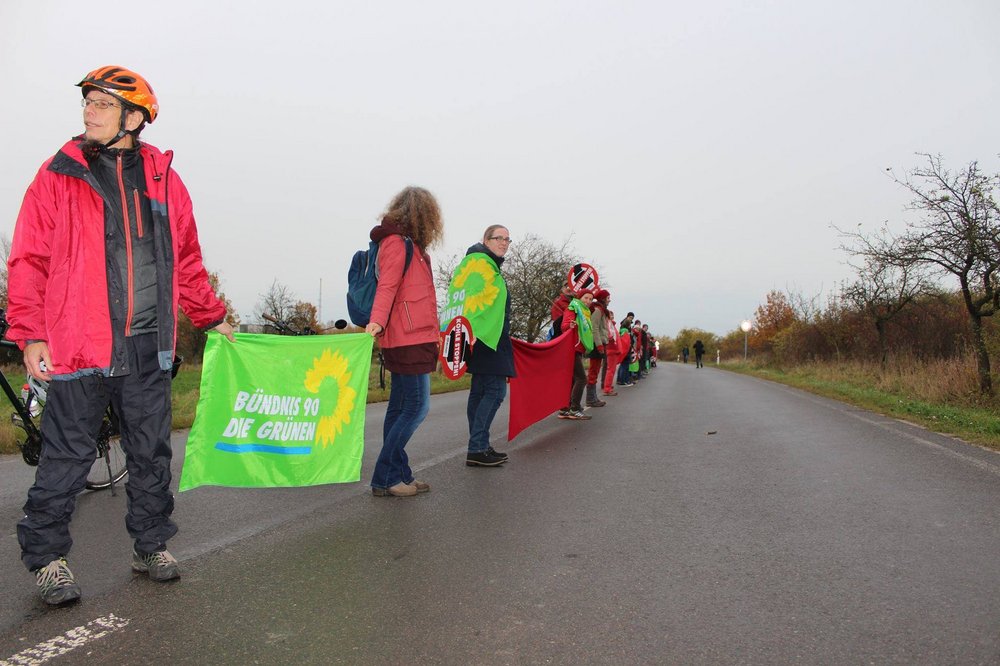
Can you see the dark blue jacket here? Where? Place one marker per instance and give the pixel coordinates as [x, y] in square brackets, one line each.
[483, 360]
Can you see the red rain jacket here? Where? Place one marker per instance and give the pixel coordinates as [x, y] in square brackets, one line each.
[405, 304]
[57, 271]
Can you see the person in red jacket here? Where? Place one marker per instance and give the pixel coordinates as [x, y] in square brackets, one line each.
[405, 320]
[599, 317]
[105, 249]
[613, 357]
[559, 306]
[569, 322]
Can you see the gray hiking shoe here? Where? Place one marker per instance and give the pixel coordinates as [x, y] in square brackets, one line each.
[56, 584]
[159, 566]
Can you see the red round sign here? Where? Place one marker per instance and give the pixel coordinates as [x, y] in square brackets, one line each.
[455, 343]
[582, 276]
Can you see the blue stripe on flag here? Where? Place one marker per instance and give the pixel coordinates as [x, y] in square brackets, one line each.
[264, 448]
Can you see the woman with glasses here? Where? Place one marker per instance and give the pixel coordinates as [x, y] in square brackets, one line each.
[491, 369]
[405, 320]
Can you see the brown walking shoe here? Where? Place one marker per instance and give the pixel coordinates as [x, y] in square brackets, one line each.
[398, 490]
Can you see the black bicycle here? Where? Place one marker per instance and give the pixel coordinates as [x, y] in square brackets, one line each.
[109, 465]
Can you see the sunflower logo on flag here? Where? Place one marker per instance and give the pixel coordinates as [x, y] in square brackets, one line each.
[477, 278]
[332, 366]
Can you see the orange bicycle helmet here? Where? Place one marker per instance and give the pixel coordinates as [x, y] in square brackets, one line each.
[126, 85]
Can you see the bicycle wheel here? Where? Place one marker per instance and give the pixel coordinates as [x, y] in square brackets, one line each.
[109, 466]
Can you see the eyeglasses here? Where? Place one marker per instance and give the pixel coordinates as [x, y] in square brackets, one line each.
[101, 104]
[502, 239]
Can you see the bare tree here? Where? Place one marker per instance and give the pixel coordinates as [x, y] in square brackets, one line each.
[806, 308]
[882, 290]
[535, 271]
[444, 271]
[959, 235]
[303, 317]
[279, 302]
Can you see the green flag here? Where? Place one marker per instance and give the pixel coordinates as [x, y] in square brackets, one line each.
[478, 293]
[583, 327]
[279, 411]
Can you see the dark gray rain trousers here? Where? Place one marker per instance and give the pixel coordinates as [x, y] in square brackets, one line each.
[70, 423]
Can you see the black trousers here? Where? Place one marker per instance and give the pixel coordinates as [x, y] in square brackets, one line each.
[70, 423]
[579, 383]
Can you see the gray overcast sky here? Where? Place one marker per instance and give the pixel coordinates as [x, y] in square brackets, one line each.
[697, 152]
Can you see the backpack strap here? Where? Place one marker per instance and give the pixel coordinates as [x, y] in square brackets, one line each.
[409, 252]
[406, 264]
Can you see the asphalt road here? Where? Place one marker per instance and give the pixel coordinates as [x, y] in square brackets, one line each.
[701, 517]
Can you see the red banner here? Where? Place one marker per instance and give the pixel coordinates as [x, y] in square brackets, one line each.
[543, 381]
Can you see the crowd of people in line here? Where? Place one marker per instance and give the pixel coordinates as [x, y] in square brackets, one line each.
[104, 254]
[617, 353]
[616, 350]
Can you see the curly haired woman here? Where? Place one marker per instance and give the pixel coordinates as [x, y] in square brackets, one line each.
[405, 320]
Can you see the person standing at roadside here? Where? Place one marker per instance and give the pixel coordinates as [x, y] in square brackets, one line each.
[105, 250]
[699, 351]
[566, 295]
[404, 319]
[577, 317]
[647, 349]
[625, 347]
[491, 369]
[613, 356]
[634, 365]
[598, 357]
[624, 334]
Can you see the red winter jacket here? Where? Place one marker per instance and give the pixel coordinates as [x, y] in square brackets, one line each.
[569, 322]
[57, 279]
[559, 306]
[405, 304]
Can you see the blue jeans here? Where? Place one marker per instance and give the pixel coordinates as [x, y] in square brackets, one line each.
[485, 397]
[409, 401]
[623, 373]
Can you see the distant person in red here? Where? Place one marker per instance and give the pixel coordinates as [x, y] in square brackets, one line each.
[598, 357]
[569, 322]
[613, 357]
[558, 308]
[635, 359]
[625, 347]
[647, 348]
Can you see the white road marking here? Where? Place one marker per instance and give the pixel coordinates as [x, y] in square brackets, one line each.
[71, 640]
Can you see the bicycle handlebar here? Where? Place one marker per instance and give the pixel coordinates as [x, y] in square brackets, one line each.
[287, 329]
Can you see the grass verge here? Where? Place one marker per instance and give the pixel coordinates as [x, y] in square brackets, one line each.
[979, 424]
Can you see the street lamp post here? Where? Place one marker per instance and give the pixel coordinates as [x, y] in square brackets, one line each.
[745, 325]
